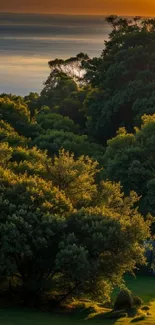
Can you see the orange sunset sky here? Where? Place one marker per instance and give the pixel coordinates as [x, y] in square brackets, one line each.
[125, 7]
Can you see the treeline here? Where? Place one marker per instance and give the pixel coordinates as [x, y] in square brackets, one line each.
[77, 171]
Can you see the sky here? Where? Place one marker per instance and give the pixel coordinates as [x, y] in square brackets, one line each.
[120, 7]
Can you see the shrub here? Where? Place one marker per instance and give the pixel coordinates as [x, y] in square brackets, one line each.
[132, 312]
[137, 301]
[124, 300]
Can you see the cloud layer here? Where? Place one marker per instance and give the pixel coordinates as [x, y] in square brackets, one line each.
[28, 42]
[130, 7]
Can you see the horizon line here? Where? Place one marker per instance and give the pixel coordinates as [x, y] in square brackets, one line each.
[69, 14]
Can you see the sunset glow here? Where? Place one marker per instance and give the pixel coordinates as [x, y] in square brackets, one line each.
[122, 7]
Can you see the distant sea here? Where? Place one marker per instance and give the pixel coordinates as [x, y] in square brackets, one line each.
[29, 41]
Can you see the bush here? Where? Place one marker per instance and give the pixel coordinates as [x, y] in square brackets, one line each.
[124, 300]
[137, 301]
[132, 312]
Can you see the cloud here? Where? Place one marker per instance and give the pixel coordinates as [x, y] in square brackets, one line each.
[28, 42]
[143, 7]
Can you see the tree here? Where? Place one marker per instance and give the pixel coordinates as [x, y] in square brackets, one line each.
[54, 140]
[73, 107]
[50, 121]
[32, 100]
[59, 228]
[9, 135]
[76, 177]
[32, 222]
[16, 114]
[31, 161]
[72, 67]
[65, 89]
[122, 79]
[5, 154]
[102, 249]
[129, 158]
[58, 86]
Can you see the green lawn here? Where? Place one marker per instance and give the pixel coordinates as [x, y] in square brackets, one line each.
[27, 317]
[143, 286]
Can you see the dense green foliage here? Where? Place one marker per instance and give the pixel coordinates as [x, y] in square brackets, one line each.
[122, 79]
[61, 229]
[130, 158]
[74, 207]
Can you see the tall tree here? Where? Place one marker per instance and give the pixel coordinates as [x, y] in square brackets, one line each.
[130, 159]
[72, 67]
[122, 79]
[58, 86]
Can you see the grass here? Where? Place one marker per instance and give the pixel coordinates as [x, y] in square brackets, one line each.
[142, 286]
[141, 319]
[149, 319]
[27, 317]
